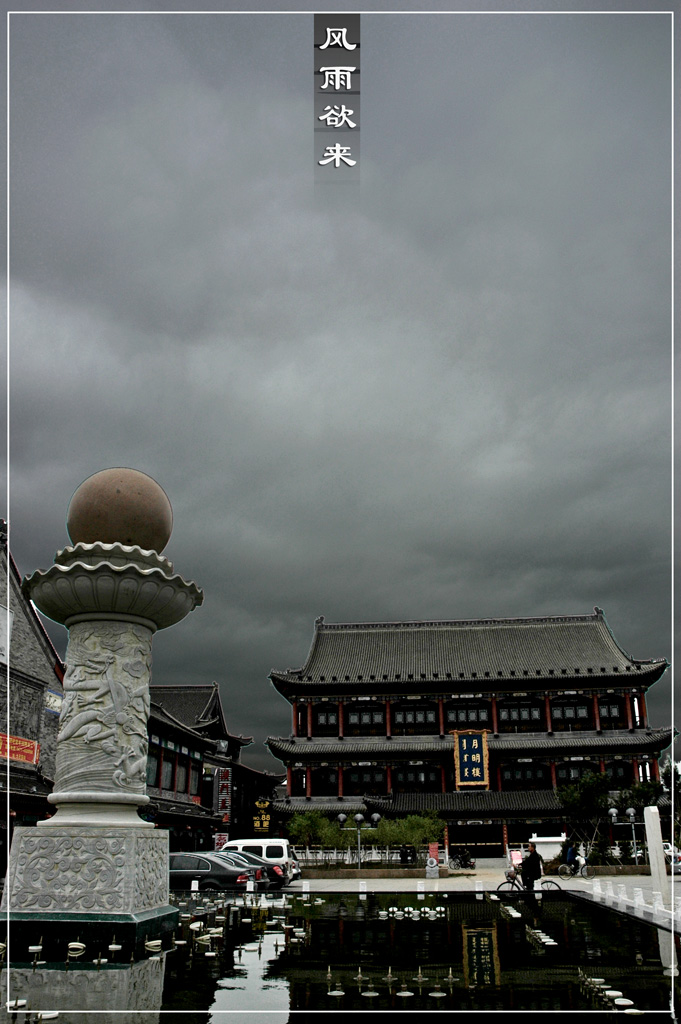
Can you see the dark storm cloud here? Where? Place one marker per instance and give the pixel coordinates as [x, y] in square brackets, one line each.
[445, 395]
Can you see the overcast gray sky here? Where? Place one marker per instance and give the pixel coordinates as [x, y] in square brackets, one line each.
[443, 394]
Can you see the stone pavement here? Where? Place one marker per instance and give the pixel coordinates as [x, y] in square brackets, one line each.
[489, 874]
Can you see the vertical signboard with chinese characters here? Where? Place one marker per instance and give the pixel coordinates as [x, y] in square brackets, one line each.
[470, 759]
[225, 794]
[336, 97]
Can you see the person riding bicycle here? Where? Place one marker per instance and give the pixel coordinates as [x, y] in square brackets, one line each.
[574, 859]
[532, 867]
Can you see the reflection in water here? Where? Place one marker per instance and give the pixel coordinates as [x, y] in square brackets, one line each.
[377, 952]
[112, 989]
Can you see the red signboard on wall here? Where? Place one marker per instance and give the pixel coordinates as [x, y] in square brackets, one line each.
[19, 749]
[225, 794]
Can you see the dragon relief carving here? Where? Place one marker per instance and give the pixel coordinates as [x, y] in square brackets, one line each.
[106, 695]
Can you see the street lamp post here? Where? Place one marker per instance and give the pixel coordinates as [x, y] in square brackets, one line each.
[631, 814]
[359, 821]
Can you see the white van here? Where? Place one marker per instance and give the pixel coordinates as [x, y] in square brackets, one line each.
[274, 851]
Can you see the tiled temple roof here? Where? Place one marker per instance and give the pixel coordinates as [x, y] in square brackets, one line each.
[196, 706]
[473, 803]
[409, 656]
[404, 747]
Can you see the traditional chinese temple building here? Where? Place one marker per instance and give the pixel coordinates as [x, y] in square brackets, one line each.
[481, 720]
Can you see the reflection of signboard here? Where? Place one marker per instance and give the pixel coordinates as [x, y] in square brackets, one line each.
[480, 956]
[220, 839]
[470, 758]
[19, 749]
[261, 819]
[225, 793]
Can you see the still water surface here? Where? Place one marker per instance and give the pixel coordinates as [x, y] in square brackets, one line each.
[407, 952]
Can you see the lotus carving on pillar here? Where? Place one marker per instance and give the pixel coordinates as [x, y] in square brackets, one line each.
[103, 579]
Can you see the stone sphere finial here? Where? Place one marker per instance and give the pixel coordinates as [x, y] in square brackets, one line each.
[120, 506]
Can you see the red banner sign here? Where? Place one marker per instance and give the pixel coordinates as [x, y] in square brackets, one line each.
[19, 749]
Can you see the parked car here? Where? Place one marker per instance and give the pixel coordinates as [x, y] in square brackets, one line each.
[274, 851]
[210, 872]
[272, 872]
[669, 850]
[295, 864]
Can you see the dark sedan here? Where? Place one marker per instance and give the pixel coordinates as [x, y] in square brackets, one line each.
[209, 871]
[272, 871]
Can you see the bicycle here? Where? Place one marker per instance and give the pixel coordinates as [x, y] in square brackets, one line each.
[584, 870]
[461, 859]
[513, 883]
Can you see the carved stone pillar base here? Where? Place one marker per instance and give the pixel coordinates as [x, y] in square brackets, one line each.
[87, 870]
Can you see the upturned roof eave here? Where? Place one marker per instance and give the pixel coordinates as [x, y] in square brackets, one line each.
[292, 686]
[403, 748]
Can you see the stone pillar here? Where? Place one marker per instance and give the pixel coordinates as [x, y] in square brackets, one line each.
[112, 590]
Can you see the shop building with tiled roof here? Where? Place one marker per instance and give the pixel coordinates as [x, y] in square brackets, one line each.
[197, 782]
[31, 693]
[482, 720]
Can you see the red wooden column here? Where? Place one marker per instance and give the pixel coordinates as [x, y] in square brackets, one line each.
[554, 781]
[309, 718]
[441, 716]
[340, 780]
[634, 763]
[442, 778]
[495, 721]
[308, 781]
[547, 712]
[289, 781]
[295, 718]
[655, 771]
[388, 720]
[340, 717]
[627, 704]
[601, 765]
[643, 709]
[597, 714]
[389, 778]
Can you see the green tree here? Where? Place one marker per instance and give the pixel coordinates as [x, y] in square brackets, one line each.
[586, 804]
[638, 796]
[306, 829]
